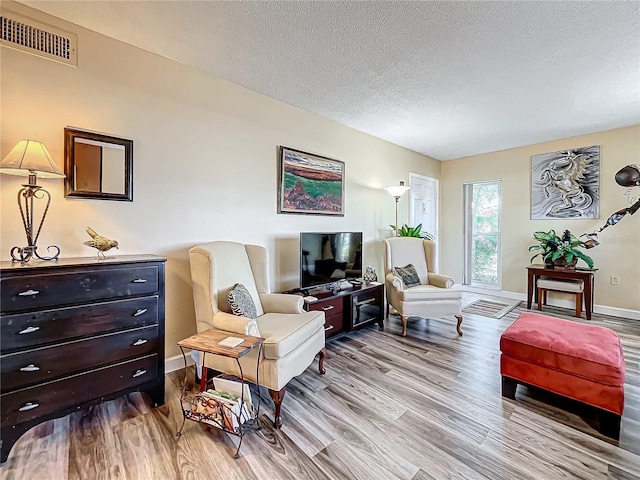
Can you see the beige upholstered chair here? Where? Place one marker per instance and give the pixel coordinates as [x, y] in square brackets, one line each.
[293, 337]
[433, 297]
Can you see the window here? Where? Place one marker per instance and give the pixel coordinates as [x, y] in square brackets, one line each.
[482, 204]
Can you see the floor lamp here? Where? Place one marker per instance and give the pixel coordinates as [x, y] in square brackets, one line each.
[397, 192]
[31, 159]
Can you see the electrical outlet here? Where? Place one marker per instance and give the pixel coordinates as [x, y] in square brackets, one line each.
[615, 280]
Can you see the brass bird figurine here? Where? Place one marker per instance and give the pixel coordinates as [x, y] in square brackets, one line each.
[102, 244]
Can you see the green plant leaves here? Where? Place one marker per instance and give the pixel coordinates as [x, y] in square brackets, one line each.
[554, 247]
[407, 231]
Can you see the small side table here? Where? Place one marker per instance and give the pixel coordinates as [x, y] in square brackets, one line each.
[586, 275]
[208, 342]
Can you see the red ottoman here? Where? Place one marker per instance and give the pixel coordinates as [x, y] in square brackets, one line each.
[582, 362]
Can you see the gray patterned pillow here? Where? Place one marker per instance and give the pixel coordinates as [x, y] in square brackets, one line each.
[241, 302]
[408, 274]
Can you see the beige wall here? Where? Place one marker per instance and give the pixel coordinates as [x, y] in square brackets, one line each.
[205, 162]
[619, 251]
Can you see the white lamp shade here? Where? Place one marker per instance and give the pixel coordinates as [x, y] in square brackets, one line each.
[30, 157]
[397, 190]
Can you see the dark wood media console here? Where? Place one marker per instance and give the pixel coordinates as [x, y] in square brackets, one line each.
[348, 310]
[77, 332]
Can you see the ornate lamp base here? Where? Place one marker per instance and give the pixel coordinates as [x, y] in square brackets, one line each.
[24, 254]
[25, 201]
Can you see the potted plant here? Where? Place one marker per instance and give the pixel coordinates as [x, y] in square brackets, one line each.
[407, 231]
[559, 250]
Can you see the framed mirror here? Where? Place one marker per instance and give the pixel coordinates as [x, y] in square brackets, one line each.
[97, 166]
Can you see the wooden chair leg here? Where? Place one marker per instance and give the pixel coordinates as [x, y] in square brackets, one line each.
[323, 354]
[545, 296]
[277, 397]
[403, 319]
[458, 329]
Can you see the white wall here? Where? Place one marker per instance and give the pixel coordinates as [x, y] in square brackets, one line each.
[205, 162]
[619, 250]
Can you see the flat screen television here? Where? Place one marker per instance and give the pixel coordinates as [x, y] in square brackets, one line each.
[329, 257]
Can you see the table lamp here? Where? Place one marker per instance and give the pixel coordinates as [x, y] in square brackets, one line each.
[31, 159]
[396, 192]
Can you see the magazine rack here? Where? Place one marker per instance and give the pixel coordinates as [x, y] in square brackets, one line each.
[232, 413]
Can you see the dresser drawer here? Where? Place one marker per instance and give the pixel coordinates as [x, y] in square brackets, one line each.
[29, 292]
[333, 324]
[333, 311]
[330, 306]
[25, 330]
[30, 403]
[45, 364]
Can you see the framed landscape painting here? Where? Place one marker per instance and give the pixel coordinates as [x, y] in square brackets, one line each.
[310, 184]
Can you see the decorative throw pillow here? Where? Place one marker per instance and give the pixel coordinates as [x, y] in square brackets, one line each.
[241, 302]
[408, 274]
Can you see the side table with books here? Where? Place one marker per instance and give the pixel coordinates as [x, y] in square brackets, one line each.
[222, 402]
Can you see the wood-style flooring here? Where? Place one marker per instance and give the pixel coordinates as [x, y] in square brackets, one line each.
[427, 406]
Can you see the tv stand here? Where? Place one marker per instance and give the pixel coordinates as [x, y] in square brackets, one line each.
[348, 310]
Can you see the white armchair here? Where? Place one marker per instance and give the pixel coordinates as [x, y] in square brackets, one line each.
[433, 297]
[293, 337]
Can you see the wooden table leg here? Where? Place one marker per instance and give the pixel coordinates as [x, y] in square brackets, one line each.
[588, 296]
[529, 288]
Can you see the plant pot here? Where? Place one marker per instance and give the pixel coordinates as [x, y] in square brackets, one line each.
[561, 263]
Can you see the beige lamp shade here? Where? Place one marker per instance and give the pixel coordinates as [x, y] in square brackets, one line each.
[30, 157]
[398, 190]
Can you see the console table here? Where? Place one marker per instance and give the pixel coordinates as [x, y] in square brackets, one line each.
[586, 275]
[77, 332]
[348, 310]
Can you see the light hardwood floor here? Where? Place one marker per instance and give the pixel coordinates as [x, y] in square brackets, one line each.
[424, 406]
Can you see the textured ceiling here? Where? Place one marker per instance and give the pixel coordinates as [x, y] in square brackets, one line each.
[446, 79]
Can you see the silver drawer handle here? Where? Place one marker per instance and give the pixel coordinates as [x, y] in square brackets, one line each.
[30, 368]
[28, 292]
[29, 330]
[330, 307]
[140, 371]
[140, 341]
[28, 406]
[139, 312]
[330, 327]
[139, 280]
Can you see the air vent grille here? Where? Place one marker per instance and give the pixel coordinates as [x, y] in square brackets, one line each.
[42, 40]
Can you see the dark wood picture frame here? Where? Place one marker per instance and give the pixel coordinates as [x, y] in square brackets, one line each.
[90, 170]
[309, 184]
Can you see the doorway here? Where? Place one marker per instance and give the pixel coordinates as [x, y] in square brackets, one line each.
[423, 205]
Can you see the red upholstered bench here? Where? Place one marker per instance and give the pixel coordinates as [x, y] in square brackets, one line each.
[582, 362]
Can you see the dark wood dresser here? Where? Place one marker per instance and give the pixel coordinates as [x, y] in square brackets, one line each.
[76, 332]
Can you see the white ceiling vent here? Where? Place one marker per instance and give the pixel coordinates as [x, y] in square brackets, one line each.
[30, 36]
